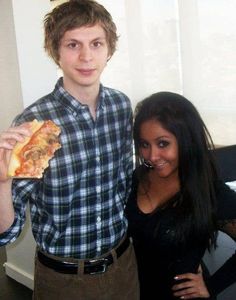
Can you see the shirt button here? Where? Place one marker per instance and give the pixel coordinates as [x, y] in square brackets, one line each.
[98, 219]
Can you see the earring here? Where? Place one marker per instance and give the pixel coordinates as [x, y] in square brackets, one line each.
[146, 163]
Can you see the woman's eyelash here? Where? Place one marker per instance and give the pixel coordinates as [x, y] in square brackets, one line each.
[163, 143]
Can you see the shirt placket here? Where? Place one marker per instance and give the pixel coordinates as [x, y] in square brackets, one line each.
[98, 189]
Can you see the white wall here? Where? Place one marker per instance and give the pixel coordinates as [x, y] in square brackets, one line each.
[20, 258]
[10, 86]
[26, 74]
[37, 72]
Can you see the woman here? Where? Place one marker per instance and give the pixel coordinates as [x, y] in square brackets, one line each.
[177, 203]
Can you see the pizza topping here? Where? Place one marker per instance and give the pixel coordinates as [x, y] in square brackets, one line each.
[52, 138]
[34, 153]
[34, 156]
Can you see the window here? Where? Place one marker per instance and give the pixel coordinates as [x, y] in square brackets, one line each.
[184, 46]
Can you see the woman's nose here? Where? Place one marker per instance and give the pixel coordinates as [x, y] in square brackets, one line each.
[154, 154]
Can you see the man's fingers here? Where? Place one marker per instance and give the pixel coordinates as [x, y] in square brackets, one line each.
[9, 138]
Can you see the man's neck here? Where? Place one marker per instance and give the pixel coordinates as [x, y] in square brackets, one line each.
[87, 95]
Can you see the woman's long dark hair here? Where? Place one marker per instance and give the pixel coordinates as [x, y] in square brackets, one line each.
[197, 171]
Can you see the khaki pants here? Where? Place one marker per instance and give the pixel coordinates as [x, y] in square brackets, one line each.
[119, 282]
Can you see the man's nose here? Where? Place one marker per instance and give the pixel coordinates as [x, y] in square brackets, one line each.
[85, 53]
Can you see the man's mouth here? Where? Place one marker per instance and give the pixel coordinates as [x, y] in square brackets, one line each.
[86, 72]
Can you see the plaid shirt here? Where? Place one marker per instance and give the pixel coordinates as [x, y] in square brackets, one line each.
[77, 208]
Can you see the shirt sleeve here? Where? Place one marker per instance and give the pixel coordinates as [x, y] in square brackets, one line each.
[22, 190]
[128, 157]
[226, 274]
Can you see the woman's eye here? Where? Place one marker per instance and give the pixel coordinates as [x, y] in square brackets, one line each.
[163, 144]
[143, 145]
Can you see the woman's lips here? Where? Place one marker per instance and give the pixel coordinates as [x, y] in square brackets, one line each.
[160, 165]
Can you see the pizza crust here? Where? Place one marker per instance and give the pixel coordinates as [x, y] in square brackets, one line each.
[14, 161]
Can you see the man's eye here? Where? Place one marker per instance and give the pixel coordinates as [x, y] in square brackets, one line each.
[96, 44]
[72, 45]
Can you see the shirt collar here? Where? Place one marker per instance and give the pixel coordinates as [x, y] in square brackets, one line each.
[72, 103]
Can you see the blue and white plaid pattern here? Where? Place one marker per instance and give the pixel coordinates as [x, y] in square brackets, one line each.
[77, 209]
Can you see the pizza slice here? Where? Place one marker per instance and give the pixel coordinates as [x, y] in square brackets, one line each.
[30, 158]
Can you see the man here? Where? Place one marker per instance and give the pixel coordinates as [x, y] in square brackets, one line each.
[77, 208]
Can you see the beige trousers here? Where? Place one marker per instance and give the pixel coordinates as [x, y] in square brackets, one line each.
[119, 282]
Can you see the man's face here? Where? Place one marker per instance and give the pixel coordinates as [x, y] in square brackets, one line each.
[83, 54]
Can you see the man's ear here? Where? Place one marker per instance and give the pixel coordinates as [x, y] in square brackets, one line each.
[109, 57]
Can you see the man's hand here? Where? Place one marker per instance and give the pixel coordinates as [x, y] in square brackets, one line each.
[8, 139]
